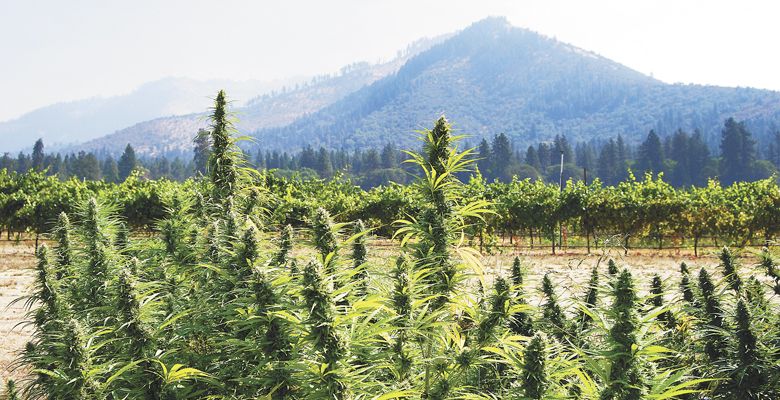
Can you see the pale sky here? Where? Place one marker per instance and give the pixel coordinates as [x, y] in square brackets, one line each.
[65, 50]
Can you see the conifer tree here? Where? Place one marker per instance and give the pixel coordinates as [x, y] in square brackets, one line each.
[127, 163]
[737, 151]
[651, 155]
[202, 152]
[38, 156]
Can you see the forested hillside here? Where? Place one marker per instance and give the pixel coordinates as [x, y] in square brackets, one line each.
[74, 122]
[174, 134]
[493, 78]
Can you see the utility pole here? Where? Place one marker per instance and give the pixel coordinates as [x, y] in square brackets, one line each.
[587, 228]
[560, 189]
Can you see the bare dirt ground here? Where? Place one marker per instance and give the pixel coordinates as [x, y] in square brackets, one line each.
[569, 269]
[16, 276]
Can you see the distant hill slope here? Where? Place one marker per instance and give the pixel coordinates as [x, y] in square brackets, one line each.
[74, 122]
[492, 77]
[488, 78]
[279, 108]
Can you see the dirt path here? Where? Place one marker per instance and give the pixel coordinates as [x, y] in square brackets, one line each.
[16, 276]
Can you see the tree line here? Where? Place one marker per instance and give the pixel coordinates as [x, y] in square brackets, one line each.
[96, 166]
[684, 158]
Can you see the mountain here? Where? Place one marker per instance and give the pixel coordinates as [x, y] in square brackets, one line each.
[488, 78]
[492, 77]
[74, 122]
[274, 109]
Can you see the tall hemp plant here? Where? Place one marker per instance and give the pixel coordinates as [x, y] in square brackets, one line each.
[431, 239]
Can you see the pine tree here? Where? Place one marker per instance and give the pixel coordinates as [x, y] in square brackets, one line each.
[737, 151]
[38, 156]
[110, 170]
[679, 152]
[561, 145]
[324, 164]
[202, 151]
[389, 156]
[651, 154]
[608, 164]
[532, 157]
[127, 162]
[485, 159]
[89, 167]
[698, 157]
[622, 155]
[502, 157]
[23, 163]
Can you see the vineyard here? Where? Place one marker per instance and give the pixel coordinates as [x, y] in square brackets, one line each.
[645, 212]
[245, 285]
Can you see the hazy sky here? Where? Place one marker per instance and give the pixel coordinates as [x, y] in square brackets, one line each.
[65, 50]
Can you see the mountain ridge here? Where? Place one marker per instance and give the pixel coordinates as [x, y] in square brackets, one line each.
[492, 77]
[172, 134]
[64, 123]
[487, 78]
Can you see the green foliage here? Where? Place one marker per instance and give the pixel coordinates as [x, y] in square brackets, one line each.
[552, 312]
[612, 268]
[11, 393]
[224, 155]
[199, 301]
[729, 264]
[713, 317]
[625, 378]
[534, 377]
[520, 322]
[686, 287]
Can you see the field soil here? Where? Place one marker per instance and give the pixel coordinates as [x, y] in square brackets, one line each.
[16, 276]
[569, 269]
